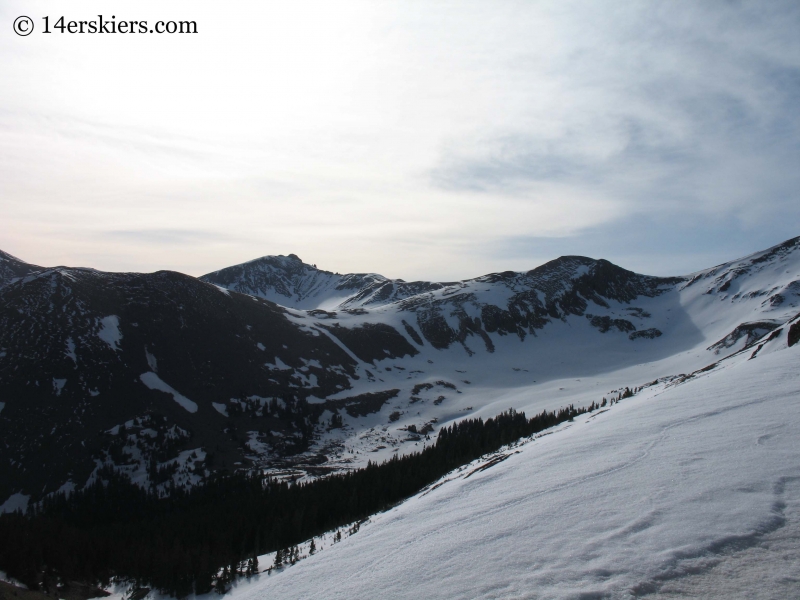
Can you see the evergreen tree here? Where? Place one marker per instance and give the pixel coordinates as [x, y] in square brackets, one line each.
[222, 581]
[177, 544]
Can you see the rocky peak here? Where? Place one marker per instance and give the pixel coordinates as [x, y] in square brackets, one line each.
[12, 268]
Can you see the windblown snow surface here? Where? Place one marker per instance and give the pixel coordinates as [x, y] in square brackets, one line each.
[689, 489]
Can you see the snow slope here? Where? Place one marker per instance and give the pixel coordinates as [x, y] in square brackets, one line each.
[701, 318]
[674, 489]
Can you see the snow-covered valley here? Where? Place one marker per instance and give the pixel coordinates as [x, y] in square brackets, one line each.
[688, 489]
[700, 319]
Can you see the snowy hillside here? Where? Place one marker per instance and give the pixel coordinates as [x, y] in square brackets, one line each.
[490, 343]
[689, 489]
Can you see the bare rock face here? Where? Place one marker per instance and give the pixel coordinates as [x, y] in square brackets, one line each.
[794, 334]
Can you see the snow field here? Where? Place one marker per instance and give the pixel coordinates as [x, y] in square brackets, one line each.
[617, 504]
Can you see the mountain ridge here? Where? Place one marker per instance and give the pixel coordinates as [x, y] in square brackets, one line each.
[287, 278]
[107, 366]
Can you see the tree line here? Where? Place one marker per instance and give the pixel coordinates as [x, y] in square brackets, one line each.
[198, 539]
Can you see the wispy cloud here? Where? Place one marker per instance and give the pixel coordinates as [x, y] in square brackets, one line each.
[678, 108]
[419, 140]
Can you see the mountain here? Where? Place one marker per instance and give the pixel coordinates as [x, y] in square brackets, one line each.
[512, 303]
[444, 314]
[687, 489]
[12, 269]
[288, 281]
[279, 366]
[90, 365]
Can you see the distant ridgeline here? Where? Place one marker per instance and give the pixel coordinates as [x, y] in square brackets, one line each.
[113, 530]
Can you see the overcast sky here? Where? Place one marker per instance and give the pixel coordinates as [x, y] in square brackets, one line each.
[422, 140]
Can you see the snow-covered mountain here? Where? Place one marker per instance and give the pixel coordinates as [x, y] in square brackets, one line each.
[513, 303]
[277, 365]
[688, 489]
[288, 281]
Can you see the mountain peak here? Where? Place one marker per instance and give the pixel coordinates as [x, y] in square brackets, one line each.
[12, 269]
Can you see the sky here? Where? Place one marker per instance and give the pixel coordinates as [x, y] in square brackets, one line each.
[421, 140]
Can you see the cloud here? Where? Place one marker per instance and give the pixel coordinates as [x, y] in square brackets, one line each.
[417, 140]
[670, 110]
